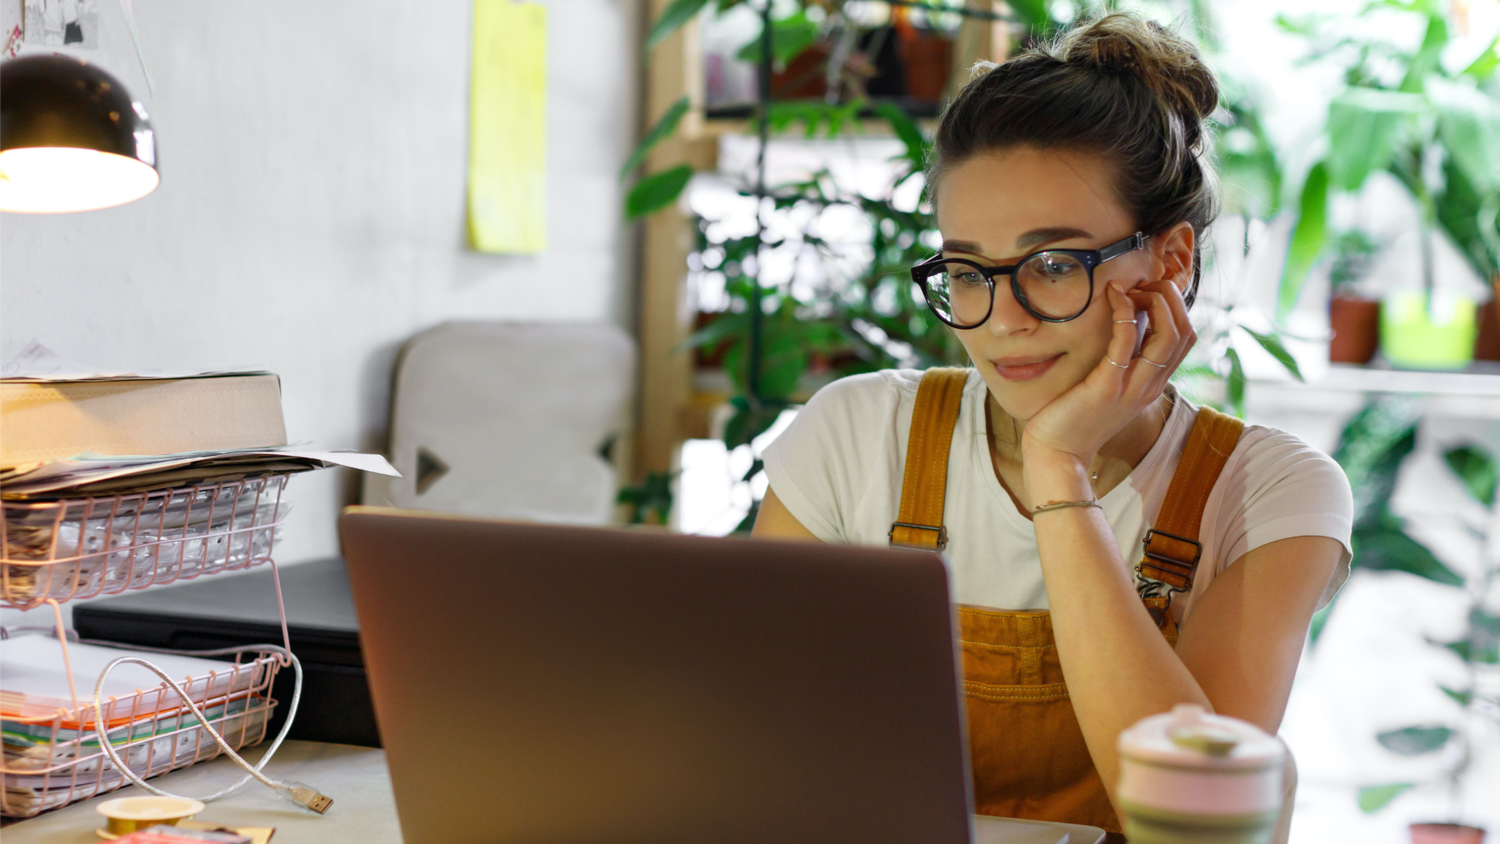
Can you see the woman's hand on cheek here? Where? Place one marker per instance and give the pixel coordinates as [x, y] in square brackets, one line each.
[1074, 426]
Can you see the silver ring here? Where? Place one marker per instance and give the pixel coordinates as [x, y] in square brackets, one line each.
[1121, 365]
[1123, 321]
[1152, 362]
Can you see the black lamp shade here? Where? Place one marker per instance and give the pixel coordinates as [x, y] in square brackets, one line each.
[71, 138]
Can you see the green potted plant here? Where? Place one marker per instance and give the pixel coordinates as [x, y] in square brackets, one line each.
[1371, 449]
[1477, 648]
[1435, 130]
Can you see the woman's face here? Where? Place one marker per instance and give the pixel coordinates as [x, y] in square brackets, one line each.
[998, 207]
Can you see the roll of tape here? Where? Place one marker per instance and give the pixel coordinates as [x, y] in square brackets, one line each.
[128, 814]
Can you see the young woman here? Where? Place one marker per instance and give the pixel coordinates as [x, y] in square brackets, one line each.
[1072, 192]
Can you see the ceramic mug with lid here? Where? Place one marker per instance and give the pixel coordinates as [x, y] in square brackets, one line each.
[1191, 776]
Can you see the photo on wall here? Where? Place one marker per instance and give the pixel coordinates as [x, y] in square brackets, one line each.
[63, 23]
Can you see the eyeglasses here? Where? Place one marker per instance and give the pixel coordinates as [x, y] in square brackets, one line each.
[1054, 285]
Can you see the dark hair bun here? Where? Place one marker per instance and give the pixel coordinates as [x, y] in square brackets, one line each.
[1168, 65]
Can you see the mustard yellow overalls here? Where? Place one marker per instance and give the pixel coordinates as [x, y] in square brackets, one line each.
[1026, 750]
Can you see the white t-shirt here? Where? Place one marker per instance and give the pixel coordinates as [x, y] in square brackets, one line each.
[838, 470]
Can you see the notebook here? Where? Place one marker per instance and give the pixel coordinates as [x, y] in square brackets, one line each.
[44, 420]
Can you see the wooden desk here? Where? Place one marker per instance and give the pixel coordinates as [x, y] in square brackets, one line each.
[364, 809]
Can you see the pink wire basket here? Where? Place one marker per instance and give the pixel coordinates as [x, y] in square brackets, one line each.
[54, 759]
[82, 547]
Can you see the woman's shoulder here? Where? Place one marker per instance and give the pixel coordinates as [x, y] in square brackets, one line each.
[866, 392]
[1264, 448]
[1281, 452]
[1276, 471]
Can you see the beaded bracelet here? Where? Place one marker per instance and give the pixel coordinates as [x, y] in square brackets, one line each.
[1063, 505]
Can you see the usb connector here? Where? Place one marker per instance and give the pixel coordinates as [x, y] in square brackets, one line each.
[304, 795]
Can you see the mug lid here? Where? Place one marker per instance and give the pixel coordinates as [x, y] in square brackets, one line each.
[1190, 736]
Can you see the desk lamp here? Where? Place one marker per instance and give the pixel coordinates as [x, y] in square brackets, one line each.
[71, 138]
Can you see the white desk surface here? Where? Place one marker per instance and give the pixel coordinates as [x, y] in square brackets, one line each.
[364, 809]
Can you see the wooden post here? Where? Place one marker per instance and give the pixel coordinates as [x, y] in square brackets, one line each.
[674, 70]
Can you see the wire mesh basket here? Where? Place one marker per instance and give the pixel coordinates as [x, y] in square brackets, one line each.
[55, 759]
[82, 547]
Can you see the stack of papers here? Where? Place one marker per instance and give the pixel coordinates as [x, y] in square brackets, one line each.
[69, 474]
[51, 749]
[35, 684]
[98, 474]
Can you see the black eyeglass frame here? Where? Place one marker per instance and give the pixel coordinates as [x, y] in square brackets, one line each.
[1089, 258]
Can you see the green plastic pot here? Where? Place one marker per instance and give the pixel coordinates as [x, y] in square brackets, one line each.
[1416, 336]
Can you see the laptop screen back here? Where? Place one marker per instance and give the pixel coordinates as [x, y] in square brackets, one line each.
[539, 683]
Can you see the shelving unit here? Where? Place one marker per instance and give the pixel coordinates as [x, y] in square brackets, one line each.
[671, 408]
[56, 551]
[1472, 393]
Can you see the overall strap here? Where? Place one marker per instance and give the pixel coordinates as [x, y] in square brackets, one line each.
[1172, 549]
[924, 484]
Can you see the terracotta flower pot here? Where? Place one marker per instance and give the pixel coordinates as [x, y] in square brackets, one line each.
[1356, 329]
[805, 76]
[929, 63]
[709, 357]
[1487, 344]
[1445, 833]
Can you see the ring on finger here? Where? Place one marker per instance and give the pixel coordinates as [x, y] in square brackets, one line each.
[1150, 361]
[1123, 321]
[1121, 365]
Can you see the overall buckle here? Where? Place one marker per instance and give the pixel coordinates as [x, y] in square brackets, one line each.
[1175, 573]
[940, 530]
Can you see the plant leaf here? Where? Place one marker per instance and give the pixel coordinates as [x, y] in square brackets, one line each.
[789, 36]
[1272, 344]
[1478, 470]
[665, 126]
[1377, 797]
[656, 191]
[1362, 128]
[672, 18]
[727, 324]
[1483, 67]
[1034, 14]
[905, 129]
[1414, 741]
[1307, 239]
[651, 498]
[747, 423]
[755, 469]
[1371, 448]
[1428, 60]
[1385, 547]
[1469, 126]
[1463, 698]
[1234, 387]
[1466, 652]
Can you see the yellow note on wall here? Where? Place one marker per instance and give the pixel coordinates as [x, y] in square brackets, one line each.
[508, 128]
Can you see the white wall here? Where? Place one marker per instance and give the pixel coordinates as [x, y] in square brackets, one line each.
[311, 211]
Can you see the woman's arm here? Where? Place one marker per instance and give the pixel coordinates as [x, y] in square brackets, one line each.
[1236, 655]
[774, 520]
[1245, 635]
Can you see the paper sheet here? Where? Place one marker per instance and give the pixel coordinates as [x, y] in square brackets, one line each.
[36, 684]
[90, 473]
[39, 363]
[508, 128]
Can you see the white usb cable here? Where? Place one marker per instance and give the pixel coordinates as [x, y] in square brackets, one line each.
[295, 792]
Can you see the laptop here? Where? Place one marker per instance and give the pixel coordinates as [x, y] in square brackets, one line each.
[541, 683]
